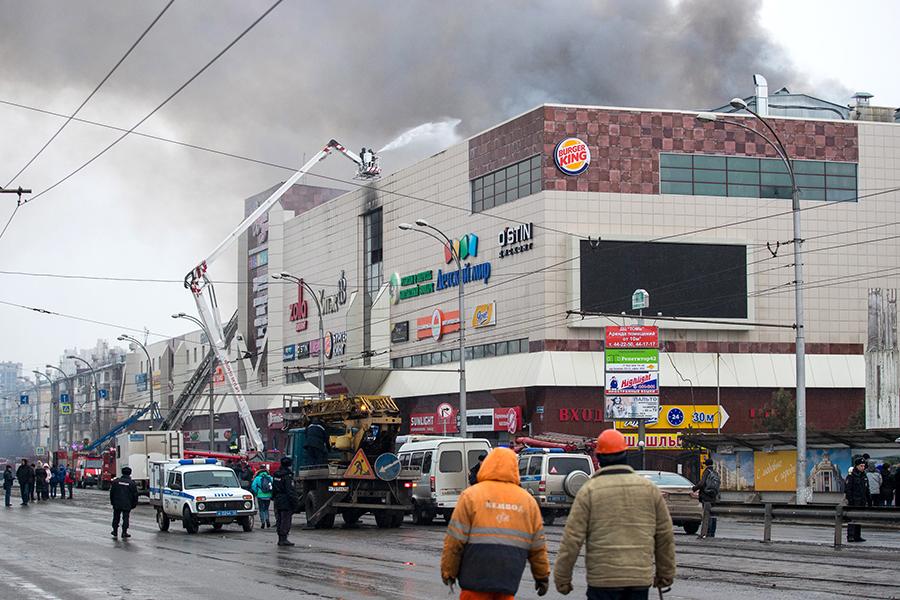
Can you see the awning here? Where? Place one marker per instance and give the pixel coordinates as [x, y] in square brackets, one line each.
[585, 369]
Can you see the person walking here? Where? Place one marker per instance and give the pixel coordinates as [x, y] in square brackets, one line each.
[54, 481]
[874, 478]
[262, 489]
[623, 521]
[245, 475]
[69, 482]
[708, 489]
[123, 496]
[856, 490]
[8, 479]
[473, 472]
[285, 497]
[26, 477]
[496, 526]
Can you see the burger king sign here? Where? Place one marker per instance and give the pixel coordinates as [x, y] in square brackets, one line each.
[572, 156]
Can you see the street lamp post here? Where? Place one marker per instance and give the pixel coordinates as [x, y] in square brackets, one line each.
[454, 252]
[305, 285]
[37, 408]
[803, 492]
[212, 372]
[125, 337]
[53, 442]
[71, 415]
[96, 394]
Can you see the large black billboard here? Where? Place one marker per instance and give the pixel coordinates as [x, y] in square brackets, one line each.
[684, 280]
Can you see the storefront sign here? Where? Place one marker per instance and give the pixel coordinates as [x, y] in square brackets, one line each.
[400, 332]
[303, 350]
[437, 324]
[683, 416]
[484, 315]
[300, 310]
[332, 304]
[632, 383]
[581, 415]
[464, 247]
[632, 336]
[634, 407]
[656, 441]
[507, 419]
[470, 273]
[289, 353]
[516, 239]
[275, 418]
[572, 156]
[335, 344]
[433, 423]
[412, 286]
[642, 359]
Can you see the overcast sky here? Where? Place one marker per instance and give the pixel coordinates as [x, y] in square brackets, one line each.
[360, 72]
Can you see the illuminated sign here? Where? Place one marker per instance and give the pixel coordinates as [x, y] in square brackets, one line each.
[289, 353]
[412, 286]
[635, 360]
[437, 324]
[400, 332]
[303, 350]
[332, 304]
[464, 247]
[300, 310]
[656, 441]
[632, 336]
[632, 383]
[484, 315]
[335, 344]
[572, 156]
[683, 416]
[515, 240]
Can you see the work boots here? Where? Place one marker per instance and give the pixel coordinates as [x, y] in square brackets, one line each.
[283, 541]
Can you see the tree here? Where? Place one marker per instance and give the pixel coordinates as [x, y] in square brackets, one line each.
[780, 413]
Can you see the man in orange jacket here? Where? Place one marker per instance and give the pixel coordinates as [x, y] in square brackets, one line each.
[495, 527]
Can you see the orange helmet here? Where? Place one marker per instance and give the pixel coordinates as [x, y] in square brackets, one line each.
[611, 441]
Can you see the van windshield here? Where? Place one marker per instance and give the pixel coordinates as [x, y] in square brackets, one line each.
[94, 463]
[210, 479]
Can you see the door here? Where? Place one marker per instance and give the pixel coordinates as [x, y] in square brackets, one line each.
[450, 474]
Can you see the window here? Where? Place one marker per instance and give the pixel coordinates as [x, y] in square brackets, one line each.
[523, 466]
[404, 461]
[534, 467]
[472, 456]
[223, 478]
[740, 176]
[565, 465]
[372, 253]
[507, 184]
[426, 462]
[450, 461]
[416, 460]
[472, 353]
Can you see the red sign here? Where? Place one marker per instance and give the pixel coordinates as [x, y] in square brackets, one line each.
[437, 324]
[632, 336]
[582, 415]
[300, 309]
[432, 423]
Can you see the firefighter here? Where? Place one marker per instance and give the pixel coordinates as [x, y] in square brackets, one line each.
[496, 526]
[123, 495]
[315, 444]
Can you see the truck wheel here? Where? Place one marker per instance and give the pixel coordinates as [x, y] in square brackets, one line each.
[190, 524]
[384, 519]
[398, 519]
[420, 517]
[351, 517]
[162, 520]
[246, 523]
[691, 528]
[314, 500]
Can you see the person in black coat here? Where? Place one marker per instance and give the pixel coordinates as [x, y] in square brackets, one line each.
[8, 479]
[856, 490]
[315, 444]
[284, 496]
[123, 495]
[473, 472]
[25, 475]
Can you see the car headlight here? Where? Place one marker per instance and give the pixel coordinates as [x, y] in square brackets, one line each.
[201, 506]
[248, 505]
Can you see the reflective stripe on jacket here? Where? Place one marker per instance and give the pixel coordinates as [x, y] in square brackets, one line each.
[495, 528]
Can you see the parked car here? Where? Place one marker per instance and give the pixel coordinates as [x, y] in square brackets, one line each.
[445, 464]
[683, 503]
[553, 477]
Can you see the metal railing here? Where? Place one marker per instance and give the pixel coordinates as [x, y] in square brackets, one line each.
[819, 514]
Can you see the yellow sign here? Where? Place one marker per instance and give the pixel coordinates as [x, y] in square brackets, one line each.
[683, 416]
[656, 441]
[775, 471]
[359, 467]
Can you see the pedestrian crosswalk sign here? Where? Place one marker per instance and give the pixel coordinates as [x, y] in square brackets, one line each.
[65, 408]
[359, 468]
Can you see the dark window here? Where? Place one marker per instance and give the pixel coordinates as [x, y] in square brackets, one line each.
[565, 465]
[473, 455]
[373, 251]
[426, 462]
[523, 467]
[534, 467]
[507, 184]
[450, 462]
[416, 460]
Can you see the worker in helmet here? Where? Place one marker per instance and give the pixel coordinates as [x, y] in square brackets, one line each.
[626, 526]
[496, 526]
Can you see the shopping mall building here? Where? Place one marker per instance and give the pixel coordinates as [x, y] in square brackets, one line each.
[572, 208]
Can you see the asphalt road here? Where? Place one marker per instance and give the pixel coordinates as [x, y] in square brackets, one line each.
[63, 550]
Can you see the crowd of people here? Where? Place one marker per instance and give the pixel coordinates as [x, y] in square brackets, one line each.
[38, 482]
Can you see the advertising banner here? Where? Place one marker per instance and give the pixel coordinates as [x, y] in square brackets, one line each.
[430, 423]
[637, 383]
[775, 471]
[682, 416]
[634, 407]
[484, 315]
[632, 336]
[735, 470]
[656, 441]
[626, 360]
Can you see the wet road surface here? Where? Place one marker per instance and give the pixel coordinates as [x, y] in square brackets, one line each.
[63, 550]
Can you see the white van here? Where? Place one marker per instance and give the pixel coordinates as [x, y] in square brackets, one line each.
[445, 464]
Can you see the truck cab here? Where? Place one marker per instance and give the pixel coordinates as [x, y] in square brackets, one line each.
[199, 492]
[88, 470]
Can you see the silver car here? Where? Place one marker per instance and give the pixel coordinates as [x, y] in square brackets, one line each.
[553, 477]
[682, 501]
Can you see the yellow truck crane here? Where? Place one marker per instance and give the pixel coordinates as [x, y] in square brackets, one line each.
[344, 461]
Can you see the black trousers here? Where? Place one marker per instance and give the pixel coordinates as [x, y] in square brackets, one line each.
[854, 532]
[125, 515]
[595, 593]
[26, 492]
[283, 521]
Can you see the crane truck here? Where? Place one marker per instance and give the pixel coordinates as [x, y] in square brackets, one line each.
[201, 286]
[361, 473]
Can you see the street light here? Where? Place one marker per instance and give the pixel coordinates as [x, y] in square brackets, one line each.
[125, 337]
[54, 423]
[71, 415]
[454, 252]
[803, 492]
[305, 285]
[96, 393]
[212, 371]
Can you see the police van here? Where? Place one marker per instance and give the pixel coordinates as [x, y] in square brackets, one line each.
[199, 491]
